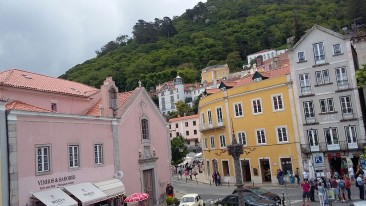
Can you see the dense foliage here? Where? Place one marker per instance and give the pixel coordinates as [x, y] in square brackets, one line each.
[215, 32]
[176, 144]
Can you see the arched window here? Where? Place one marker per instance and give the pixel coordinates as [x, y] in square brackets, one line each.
[145, 129]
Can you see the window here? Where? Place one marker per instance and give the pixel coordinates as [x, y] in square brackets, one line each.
[219, 115]
[301, 56]
[177, 96]
[195, 131]
[98, 154]
[350, 131]
[337, 49]
[177, 134]
[54, 107]
[313, 137]
[187, 133]
[170, 134]
[319, 53]
[43, 159]
[277, 102]
[322, 77]
[305, 84]
[346, 105]
[341, 76]
[186, 123]
[73, 156]
[203, 119]
[225, 168]
[238, 110]
[257, 106]
[331, 135]
[172, 99]
[171, 91]
[163, 103]
[176, 125]
[282, 134]
[170, 126]
[194, 123]
[222, 141]
[206, 145]
[145, 129]
[209, 116]
[326, 105]
[162, 93]
[241, 138]
[212, 142]
[308, 110]
[261, 136]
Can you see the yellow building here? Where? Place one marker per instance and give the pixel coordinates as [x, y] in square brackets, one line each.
[216, 72]
[260, 111]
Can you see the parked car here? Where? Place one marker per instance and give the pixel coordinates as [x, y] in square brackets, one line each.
[192, 199]
[262, 193]
[250, 199]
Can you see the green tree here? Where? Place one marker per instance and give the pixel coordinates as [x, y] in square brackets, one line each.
[361, 76]
[233, 61]
[188, 75]
[178, 143]
[183, 109]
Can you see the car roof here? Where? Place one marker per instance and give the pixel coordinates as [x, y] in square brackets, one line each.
[190, 195]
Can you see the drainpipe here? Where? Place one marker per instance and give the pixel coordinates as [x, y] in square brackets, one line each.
[4, 148]
[116, 159]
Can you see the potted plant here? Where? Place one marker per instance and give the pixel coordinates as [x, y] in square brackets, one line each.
[169, 200]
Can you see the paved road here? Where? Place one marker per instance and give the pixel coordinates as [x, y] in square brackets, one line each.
[210, 193]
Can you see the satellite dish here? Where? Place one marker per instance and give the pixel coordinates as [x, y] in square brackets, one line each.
[118, 174]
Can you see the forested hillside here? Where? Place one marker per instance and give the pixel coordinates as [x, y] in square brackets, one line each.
[215, 32]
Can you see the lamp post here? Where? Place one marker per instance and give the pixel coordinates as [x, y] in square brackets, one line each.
[235, 150]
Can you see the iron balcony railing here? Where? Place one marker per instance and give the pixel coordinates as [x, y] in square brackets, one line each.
[340, 146]
[305, 90]
[342, 84]
[214, 125]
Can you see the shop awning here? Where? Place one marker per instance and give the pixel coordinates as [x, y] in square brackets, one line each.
[55, 197]
[113, 187]
[87, 193]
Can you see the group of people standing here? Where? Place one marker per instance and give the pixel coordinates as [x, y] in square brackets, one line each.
[216, 177]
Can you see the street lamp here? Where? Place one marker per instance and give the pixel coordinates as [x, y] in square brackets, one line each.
[235, 150]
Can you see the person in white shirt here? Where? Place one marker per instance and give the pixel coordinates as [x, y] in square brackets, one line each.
[351, 173]
[305, 175]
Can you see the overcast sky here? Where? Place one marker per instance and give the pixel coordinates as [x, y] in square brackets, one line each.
[51, 36]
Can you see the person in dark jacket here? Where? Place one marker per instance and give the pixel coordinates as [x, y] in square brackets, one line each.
[312, 190]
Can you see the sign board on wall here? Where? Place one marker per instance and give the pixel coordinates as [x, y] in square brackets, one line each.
[318, 159]
[55, 182]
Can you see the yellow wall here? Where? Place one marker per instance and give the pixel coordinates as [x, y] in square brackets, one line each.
[268, 120]
[219, 73]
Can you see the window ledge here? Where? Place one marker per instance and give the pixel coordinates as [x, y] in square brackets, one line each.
[306, 95]
[319, 85]
[43, 173]
[303, 61]
[325, 113]
[315, 123]
[344, 90]
[346, 120]
[319, 65]
[99, 165]
[338, 54]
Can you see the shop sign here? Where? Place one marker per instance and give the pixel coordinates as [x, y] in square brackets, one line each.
[55, 182]
[318, 160]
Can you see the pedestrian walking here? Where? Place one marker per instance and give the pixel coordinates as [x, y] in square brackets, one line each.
[348, 187]
[334, 186]
[297, 175]
[169, 190]
[305, 191]
[342, 189]
[351, 172]
[190, 174]
[218, 178]
[186, 173]
[321, 193]
[313, 186]
[360, 185]
[214, 178]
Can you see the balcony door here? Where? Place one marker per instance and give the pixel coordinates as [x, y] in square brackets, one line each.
[313, 140]
[331, 136]
[351, 136]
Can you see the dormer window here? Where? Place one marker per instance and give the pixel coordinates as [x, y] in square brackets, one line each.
[112, 99]
[257, 79]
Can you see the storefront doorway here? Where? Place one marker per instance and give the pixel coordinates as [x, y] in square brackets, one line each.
[265, 170]
[148, 176]
[215, 167]
[245, 169]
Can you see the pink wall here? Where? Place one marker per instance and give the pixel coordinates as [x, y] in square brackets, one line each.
[59, 132]
[182, 129]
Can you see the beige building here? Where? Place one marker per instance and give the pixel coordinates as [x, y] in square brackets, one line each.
[214, 73]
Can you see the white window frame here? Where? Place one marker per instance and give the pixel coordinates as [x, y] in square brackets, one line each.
[238, 106]
[277, 99]
[346, 104]
[206, 144]
[212, 142]
[242, 138]
[145, 129]
[74, 157]
[319, 53]
[262, 133]
[313, 138]
[209, 117]
[333, 132]
[309, 109]
[335, 51]
[44, 159]
[299, 59]
[351, 133]
[203, 118]
[341, 76]
[282, 133]
[255, 108]
[222, 141]
[219, 115]
[322, 77]
[305, 83]
[326, 105]
[98, 154]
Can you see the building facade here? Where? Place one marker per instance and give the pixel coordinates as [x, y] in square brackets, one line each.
[259, 110]
[331, 125]
[214, 73]
[187, 127]
[170, 93]
[67, 138]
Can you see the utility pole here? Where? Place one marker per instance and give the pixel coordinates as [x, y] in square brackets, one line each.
[235, 150]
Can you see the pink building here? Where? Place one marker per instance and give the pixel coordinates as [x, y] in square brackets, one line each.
[70, 143]
[187, 127]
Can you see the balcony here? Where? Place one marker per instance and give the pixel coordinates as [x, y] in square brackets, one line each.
[342, 84]
[341, 146]
[305, 90]
[310, 119]
[348, 114]
[215, 125]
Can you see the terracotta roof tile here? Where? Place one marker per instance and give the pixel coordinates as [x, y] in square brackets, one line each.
[270, 74]
[18, 105]
[23, 79]
[212, 91]
[183, 118]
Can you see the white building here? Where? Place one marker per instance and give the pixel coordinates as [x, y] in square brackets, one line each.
[265, 54]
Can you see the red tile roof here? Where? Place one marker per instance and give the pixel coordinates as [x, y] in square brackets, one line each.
[23, 79]
[122, 98]
[212, 91]
[18, 105]
[183, 118]
[269, 74]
